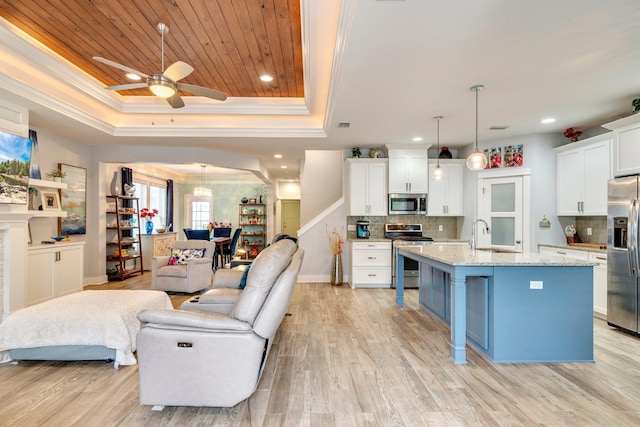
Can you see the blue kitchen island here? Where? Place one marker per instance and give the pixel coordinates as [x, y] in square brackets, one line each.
[511, 307]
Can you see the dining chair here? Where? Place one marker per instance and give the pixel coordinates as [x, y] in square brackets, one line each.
[230, 249]
[196, 234]
[222, 232]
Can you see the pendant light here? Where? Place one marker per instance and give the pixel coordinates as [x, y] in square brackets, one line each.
[477, 160]
[202, 191]
[437, 172]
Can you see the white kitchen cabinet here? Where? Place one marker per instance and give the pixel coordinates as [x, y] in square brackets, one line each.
[367, 187]
[599, 273]
[371, 264]
[408, 170]
[53, 271]
[446, 195]
[599, 284]
[625, 151]
[583, 169]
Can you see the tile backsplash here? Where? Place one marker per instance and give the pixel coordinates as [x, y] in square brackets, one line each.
[598, 225]
[430, 225]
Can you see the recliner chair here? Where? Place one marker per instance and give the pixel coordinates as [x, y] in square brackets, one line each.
[191, 277]
[193, 358]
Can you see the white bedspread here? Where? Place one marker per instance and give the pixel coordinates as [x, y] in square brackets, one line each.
[107, 318]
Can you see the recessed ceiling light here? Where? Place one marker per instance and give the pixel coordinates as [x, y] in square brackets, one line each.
[283, 167]
[548, 120]
[277, 156]
[266, 78]
[417, 139]
[132, 76]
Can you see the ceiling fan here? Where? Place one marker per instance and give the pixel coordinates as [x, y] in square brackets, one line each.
[165, 83]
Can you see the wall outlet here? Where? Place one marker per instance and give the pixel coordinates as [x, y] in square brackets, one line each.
[535, 284]
[589, 231]
[440, 227]
[351, 227]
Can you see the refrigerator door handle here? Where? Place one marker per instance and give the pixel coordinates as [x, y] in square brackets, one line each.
[632, 238]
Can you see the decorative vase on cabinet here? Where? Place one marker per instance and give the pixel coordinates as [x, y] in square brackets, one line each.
[149, 227]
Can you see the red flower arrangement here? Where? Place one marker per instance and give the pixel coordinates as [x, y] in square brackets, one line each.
[572, 134]
[149, 214]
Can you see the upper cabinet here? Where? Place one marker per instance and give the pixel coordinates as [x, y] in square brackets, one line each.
[407, 170]
[583, 169]
[446, 195]
[625, 150]
[367, 187]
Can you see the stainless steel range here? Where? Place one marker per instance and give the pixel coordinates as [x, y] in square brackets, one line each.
[405, 235]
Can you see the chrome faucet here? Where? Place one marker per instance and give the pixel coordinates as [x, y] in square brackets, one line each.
[473, 232]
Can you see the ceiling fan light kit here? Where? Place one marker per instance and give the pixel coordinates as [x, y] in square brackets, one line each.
[477, 160]
[165, 84]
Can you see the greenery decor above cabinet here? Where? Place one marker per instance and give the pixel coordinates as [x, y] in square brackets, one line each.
[367, 187]
[446, 195]
[583, 170]
[408, 170]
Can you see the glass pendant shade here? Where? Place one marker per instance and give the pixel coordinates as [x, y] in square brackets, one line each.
[477, 160]
[437, 172]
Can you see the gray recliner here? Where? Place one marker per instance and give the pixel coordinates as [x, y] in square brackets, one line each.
[197, 358]
[190, 277]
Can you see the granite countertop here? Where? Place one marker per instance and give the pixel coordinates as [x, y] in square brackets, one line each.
[462, 255]
[574, 248]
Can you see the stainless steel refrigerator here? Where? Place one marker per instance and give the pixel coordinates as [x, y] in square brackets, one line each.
[623, 260]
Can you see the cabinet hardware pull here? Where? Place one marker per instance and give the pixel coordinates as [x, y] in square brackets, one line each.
[372, 275]
[561, 253]
[372, 257]
[601, 257]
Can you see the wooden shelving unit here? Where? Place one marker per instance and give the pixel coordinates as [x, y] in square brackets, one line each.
[252, 219]
[122, 238]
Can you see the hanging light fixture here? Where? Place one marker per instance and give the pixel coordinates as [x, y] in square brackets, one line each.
[202, 191]
[437, 172]
[477, 160]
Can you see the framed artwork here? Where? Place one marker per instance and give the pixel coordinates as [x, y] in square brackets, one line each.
[494, 157]
[513, 156]
[50, 200]
[73, 200]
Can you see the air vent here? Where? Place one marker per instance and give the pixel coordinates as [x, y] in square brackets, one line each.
[344, 125]
[498, 127]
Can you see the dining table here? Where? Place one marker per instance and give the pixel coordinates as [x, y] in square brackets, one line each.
[220, 242]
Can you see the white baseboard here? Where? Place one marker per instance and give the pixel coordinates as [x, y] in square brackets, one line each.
[98, 280]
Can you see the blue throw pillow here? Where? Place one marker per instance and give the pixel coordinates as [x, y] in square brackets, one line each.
[243, 279]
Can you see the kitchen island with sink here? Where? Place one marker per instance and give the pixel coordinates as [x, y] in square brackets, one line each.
[511, 307]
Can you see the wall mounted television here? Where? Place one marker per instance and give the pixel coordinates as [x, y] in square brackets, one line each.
[15, 159]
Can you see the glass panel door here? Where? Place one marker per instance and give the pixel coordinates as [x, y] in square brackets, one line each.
[500, 204]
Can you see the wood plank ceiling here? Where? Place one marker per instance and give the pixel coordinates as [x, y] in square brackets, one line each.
[230, 43]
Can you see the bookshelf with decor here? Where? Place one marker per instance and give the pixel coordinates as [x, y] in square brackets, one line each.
[252, 220]
[124, 252]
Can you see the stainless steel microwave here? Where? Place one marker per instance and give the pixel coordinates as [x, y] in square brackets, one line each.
[407, 204]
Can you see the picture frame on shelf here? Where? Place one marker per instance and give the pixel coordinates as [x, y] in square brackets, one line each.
[73, 200]
[50, 200]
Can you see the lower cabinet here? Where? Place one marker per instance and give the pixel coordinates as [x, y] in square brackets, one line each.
[158, 244]
[54, 271]
[371, 264]
[599, 274]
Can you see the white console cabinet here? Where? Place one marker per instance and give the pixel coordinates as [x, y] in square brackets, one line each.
[371, 264]
[157, 244]
[53, 271]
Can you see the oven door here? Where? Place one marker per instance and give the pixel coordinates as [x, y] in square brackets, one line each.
[411, 270]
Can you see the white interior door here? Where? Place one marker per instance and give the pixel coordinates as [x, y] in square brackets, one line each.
[501, 204]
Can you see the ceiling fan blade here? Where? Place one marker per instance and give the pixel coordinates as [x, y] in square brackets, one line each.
[175, 101]
[120, 66]
[202, 91]
[178, 70]
[127, 86]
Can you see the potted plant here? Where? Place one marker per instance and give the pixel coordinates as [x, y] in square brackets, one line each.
[56, 175]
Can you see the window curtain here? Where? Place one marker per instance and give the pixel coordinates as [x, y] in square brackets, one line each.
[169, 213]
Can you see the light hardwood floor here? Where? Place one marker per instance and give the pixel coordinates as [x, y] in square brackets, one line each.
[349, 358]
